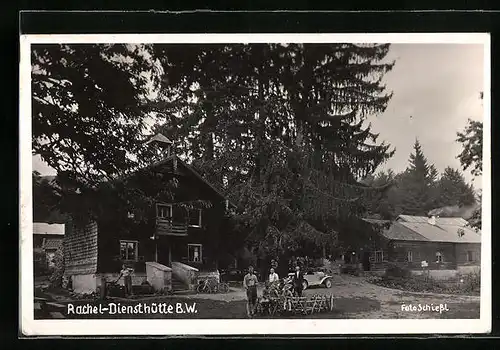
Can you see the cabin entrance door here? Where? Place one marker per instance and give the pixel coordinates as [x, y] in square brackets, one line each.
[164, 251]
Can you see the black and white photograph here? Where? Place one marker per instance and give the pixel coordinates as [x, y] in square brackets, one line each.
[255, 184]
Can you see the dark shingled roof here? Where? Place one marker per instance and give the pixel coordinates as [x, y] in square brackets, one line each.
[171, 158]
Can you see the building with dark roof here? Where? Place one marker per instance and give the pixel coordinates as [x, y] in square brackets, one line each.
[171, 245]
[47, 238]
[434, 243]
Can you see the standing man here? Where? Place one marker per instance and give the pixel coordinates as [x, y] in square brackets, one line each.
[126, 272]
[250, 285]
[298, 280]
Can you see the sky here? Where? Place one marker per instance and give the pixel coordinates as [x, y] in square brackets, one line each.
[435, 90]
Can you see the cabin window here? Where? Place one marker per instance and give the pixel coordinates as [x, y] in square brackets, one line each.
[129, 250]
[409, 256]
[194, 218]
[379, 256]
[470, 256]
[164, 211]
[439, 257]
[194, 252]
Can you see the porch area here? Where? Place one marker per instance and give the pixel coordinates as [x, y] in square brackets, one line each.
[187, 260]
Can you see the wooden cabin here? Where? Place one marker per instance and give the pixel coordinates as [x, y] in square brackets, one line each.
[171, 246]
[448, 246]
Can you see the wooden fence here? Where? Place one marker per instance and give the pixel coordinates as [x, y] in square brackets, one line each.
[295, 305]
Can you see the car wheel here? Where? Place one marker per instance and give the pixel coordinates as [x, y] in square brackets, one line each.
[304, 285]
[328, 283]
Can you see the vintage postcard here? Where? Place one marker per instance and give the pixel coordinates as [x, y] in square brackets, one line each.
[255, 184]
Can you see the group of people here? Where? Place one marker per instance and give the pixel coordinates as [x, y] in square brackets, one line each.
[250, 282]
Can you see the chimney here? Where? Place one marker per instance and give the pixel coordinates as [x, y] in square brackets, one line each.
[162, 144]
[432, 220]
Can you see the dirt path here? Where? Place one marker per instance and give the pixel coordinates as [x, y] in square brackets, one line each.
[357, 298]
[401, 304]
[354, 297]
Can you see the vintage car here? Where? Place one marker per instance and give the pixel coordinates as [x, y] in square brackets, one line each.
[315, 278]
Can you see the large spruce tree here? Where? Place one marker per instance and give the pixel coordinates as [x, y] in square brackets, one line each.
[418, 184]
[281, 127]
